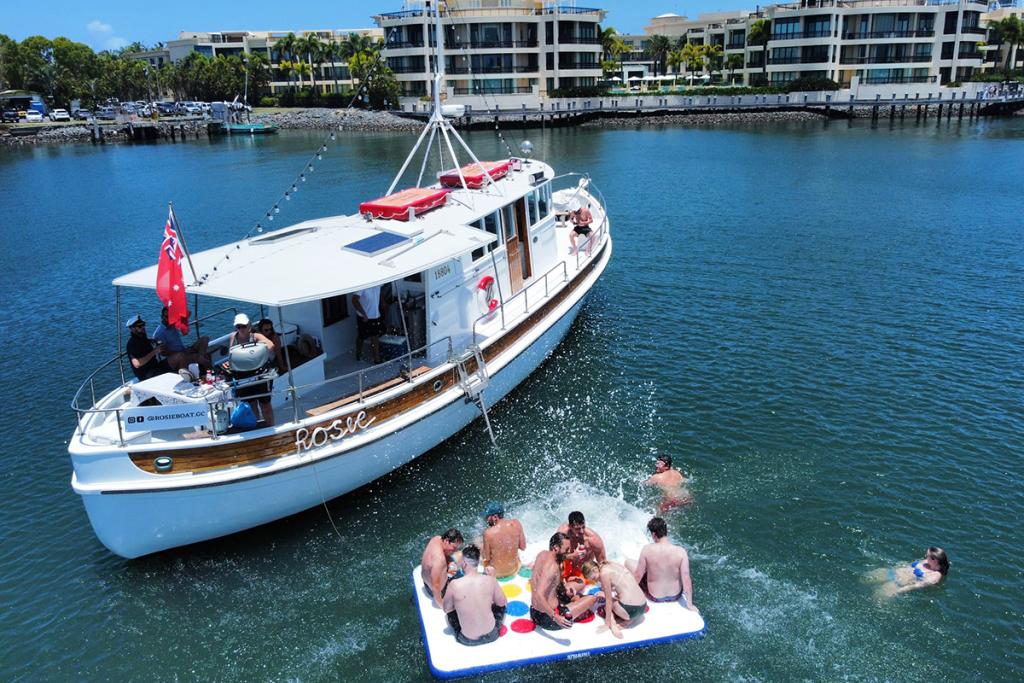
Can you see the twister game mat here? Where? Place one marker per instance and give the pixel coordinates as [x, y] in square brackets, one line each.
[523, 643]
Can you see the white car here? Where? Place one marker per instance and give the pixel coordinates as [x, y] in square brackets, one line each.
[32, 115]
[60, 115]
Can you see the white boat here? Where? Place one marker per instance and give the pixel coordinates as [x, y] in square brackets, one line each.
[486, 287]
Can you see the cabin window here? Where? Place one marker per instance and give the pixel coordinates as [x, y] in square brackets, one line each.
[334, 309]
[509, 222]
[490, 226]
[544, 199]
[531, 205]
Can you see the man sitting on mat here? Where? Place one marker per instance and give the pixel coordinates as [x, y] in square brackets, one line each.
[551, 607]
[438, 566]
[503, 539]
[474, 603]
[663, 569]
[585, 545]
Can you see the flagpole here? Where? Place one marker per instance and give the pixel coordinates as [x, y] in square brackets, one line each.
[184, 247]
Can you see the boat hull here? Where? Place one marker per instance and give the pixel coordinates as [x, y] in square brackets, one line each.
[140, 522]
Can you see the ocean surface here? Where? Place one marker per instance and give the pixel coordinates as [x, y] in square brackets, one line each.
[823, 324]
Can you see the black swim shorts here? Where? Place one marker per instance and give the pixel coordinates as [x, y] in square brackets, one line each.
[545, 621]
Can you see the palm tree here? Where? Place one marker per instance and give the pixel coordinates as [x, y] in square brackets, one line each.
[285, 48]
[332, 52]
[733, 62]
[712, 54]
[760, 32]
[310, 46]
[693, 56]
[611, 44]
[675, 60]
[658, 48]
[1011, 31]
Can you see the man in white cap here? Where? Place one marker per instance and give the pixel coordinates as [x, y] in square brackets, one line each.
[258, 394]
[143, 352]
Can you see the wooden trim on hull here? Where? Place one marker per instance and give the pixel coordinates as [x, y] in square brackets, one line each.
[218, 457]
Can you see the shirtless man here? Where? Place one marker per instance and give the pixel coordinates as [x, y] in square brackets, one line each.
[671, 482]
[584, 545]
[623, 597]
[503, 539]
[547, 609]
[438, 566]
[663, 569]
[581, 219]
[474, 604]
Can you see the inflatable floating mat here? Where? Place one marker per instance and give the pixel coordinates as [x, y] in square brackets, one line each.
[474, 174]
[522, 643]
[396, 206]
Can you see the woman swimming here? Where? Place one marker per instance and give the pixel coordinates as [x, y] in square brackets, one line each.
[919, 574]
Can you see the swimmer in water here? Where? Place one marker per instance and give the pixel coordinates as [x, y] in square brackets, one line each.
[919, 574]
[440, 564]
[671, 482]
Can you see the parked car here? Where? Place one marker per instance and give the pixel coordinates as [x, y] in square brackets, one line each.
[33, 116]
[10, 116]
[105, 113]
[165, 107]
[81, 114]
[60, 115]
[193, 108]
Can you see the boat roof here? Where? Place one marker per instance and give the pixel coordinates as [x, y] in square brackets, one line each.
[326, 257]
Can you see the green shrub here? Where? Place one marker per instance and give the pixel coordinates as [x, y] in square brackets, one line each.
[268, 101]
[581, 91]
[811, 84]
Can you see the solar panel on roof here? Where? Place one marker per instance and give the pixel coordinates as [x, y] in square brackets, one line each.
[375, 244]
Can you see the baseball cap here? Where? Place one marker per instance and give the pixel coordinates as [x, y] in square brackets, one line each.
[241, 319]
[494, 508]
[135, 319]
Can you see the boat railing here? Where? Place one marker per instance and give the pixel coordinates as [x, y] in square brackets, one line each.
[402, 365]
[525, 294]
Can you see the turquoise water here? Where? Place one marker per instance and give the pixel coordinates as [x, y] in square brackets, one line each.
[823, 325]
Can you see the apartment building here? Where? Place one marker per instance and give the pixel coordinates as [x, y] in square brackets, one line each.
[872, 41]
[240, 43]
[495, 47]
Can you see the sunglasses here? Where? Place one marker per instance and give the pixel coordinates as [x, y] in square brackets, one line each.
[241, 327]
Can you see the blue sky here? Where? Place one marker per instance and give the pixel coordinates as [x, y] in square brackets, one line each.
[114, 23]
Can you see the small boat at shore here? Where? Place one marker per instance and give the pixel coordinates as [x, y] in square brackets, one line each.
[480, 274]
[258, 128]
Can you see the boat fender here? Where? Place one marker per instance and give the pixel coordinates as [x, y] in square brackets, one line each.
[485, 294]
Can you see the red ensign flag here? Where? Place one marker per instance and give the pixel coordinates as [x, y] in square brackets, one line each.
[170, 282]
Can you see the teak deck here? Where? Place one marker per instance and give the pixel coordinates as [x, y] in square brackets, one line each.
[250, 451]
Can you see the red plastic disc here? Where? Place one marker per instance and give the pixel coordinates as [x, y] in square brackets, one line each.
[584, 618]
[523, 625]
[502, 631]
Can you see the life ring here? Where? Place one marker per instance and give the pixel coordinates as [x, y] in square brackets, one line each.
[485, 295]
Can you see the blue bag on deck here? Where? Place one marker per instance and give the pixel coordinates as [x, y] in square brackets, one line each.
[243, 417]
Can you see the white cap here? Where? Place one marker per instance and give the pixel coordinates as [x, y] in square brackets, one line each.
[241, 319]
[133, 320]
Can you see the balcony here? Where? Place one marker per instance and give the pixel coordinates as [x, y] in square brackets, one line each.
[501, 69]
[402, 44]
[867, 35]
[971, 54]
[800, 35]
[560, 9]
[888, 80]
[735, 45]
[494, 90]
[407, 69]
[575, 66]
[811, 59]
[887, 59]
[570, 40]
[974, 30]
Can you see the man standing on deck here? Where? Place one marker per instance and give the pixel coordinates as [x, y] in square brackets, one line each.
[369, 324]
[671, 482]
[438, 567]
[474, 604]
[550, 607]
[503, 539]
[663, 569]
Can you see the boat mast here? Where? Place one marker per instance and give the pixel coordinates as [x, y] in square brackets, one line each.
[437, 121]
